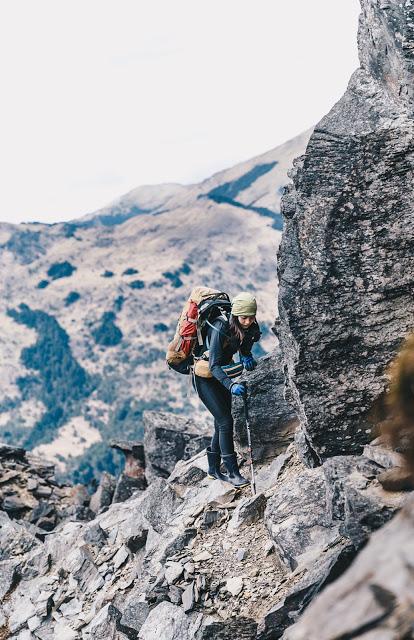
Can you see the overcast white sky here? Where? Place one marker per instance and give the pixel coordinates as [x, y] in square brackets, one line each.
[101, 96]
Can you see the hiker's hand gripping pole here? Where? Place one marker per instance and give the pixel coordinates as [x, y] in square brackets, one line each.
[249, 441]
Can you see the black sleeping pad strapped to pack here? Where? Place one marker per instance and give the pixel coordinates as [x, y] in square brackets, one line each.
[209, 309]
[212, 310]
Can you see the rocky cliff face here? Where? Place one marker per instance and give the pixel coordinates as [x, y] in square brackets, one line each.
[345, 262]
[272, 419]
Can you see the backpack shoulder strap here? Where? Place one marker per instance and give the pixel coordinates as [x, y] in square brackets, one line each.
[224, 321]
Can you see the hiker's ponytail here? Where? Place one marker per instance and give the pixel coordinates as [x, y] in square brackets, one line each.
[235, 328]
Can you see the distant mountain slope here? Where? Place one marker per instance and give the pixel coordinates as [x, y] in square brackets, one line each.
[254, 184]
[88, 307]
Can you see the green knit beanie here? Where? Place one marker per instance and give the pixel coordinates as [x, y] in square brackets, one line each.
[244, 304]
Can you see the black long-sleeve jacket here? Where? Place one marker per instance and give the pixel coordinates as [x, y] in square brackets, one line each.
[223, 345]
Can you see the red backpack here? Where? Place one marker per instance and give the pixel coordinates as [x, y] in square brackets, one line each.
[203, 306]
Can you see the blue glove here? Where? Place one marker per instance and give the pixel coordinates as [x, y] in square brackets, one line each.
[249, 362]
[238, 389]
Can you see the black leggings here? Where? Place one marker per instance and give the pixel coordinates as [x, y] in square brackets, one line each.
[217, 399]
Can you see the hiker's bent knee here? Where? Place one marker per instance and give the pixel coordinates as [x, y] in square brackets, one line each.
[226, 427]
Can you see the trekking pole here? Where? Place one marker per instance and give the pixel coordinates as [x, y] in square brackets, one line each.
[249, 441]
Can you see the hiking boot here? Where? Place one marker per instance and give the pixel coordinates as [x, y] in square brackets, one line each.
[236, 479]
[214, 460]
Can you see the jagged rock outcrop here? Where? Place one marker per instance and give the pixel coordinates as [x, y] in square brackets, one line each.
[30, 492]
[133, 477]
[373, 599]
[272, 420]
[345, 262]
[193, 558]
[318, 520]
[104, 494]
[169, 438]
[15, 540]
[342, 498]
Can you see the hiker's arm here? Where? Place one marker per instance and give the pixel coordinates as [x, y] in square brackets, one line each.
[216, 358]
[253, 335]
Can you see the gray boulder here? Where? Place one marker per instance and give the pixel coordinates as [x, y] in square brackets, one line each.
[169, 438]
[127, 486]
[316, 508]
[15, 539]
[8, 452]
[104, 494]
[268, 475]
[189, 473]
[133, 451]
[133, 477]
[333, 560]
[272, 420]
[104, 624]
[238, 629]
[134, 614]
[248, 511]
[166, 622]
[318, 520]
[298, 520]
[9, 576]
[373, 595]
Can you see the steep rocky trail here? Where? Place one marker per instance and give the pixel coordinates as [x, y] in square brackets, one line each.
[193, 552]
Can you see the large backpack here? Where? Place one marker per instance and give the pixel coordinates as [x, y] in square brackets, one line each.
[203, 306]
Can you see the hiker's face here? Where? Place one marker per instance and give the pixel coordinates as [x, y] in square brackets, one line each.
[246, 321]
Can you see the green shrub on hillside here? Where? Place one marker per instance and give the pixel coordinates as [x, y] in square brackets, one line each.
[174, 276]
[25, 244]
[137, 284]
[119, 303]
[72, 297]
[160, 326]
[59, 382]
[60, 270]
[107, 334]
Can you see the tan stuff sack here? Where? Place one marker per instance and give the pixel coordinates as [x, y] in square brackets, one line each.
[201, 366]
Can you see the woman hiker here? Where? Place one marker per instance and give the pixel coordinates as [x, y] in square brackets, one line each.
[224, 340]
